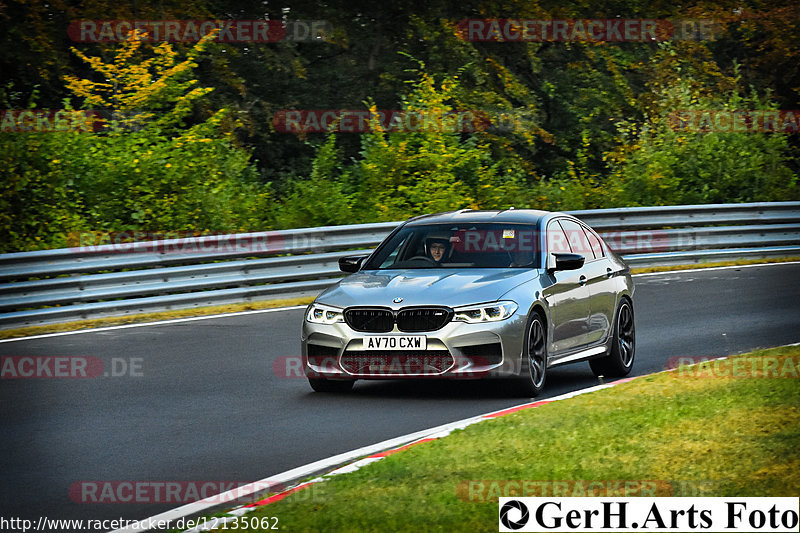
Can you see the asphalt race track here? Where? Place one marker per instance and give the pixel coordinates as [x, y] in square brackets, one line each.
[203, 402]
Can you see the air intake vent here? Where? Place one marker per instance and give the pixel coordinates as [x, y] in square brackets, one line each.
[410, 363]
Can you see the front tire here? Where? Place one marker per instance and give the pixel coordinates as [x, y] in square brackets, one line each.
[535, 357]
[623, 347]
[327, 385]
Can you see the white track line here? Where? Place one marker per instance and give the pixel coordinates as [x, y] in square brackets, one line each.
[275, 309]
[352, 460]
[157, 323]
[323, 465]
[706, 269]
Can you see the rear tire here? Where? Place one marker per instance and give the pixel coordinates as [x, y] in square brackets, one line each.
[534, 355]
[327, 385]
[623, 348]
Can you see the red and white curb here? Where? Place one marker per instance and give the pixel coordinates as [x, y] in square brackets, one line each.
[333, 466]
[345, 463]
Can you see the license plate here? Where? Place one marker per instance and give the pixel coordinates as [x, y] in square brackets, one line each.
[396, 342]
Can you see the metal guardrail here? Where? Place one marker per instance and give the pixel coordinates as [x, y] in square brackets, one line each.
[94, 281]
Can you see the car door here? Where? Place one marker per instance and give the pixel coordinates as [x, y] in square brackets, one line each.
[597, 271]
[567, 297]
[605, 293]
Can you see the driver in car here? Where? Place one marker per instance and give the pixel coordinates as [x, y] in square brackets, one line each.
[437, 248]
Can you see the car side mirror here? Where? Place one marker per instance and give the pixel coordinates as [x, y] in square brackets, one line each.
[351, 263]
[566, 262]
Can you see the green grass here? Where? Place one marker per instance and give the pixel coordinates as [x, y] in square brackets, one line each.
[685, 433]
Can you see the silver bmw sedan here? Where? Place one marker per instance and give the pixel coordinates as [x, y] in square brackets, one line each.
[474, 294]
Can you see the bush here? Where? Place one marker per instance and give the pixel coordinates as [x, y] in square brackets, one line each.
[156, 170]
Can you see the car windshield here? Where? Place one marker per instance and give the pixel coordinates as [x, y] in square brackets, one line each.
[460, 246]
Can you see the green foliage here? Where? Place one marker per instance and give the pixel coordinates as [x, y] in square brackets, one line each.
[150, 171]
[319, 200]
[196, 148]
[37, 204]
[668, 166]
[427, 167]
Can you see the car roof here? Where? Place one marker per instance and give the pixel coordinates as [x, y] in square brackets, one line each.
[526, 216]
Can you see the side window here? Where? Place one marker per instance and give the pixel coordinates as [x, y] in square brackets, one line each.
[556, 239]
[578, 243]
[594, 242]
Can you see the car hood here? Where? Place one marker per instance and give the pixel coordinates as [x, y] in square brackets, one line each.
[450, 287]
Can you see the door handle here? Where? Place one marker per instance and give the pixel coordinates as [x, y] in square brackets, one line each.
[582, 280]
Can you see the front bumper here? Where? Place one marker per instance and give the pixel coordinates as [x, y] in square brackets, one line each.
[457, 350]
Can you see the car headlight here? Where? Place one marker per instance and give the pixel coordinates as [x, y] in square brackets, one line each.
[323, 314]
[493, 312]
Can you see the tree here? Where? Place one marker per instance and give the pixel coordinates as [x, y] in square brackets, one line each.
[669, 162]
[154, 167]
